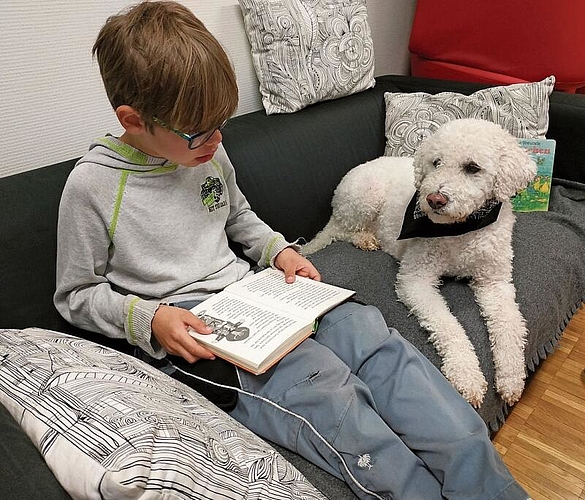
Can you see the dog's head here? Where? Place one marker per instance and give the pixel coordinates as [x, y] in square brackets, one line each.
[466, 163]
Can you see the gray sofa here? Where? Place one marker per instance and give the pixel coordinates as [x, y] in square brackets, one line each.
[288, 166]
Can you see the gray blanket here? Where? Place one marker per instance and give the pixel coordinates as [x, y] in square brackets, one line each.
[549, 274]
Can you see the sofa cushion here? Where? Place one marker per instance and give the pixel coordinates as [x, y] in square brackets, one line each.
[129, 430]
[549, 280]
[522, 109]
[306, 52]
[566, 118]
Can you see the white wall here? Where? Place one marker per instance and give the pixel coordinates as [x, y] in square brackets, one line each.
[52, 103]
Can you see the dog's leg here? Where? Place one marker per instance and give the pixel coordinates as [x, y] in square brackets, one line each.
[459, 362]
[507, 332]
[326, 236]
[363, 238]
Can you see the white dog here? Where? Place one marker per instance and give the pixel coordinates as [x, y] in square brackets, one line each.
[461, 179]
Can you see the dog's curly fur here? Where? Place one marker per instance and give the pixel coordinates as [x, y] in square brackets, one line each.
[462, 165]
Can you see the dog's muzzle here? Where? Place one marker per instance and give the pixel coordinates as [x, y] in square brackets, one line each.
[416, 223]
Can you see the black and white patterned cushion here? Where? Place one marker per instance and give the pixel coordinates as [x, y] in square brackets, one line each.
[112, 427]
[306, 51]
[521, 108]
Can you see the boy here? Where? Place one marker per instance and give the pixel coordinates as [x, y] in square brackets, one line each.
[139, 243]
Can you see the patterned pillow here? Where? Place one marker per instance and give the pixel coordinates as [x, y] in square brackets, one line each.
[305, 51]
[111, 427]
[521, 108]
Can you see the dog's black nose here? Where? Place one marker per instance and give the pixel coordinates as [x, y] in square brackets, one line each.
[437, 200]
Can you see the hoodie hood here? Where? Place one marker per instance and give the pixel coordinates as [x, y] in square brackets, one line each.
[111, 152]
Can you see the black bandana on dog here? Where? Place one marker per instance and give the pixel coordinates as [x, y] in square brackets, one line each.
[416, 224]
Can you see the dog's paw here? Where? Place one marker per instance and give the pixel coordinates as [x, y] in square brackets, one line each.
[474, 391]
[510, 377]
[510, 388]
[469, 381]
[366, 241]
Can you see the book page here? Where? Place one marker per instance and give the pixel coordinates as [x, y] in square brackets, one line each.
[243, 328]
[305, 297]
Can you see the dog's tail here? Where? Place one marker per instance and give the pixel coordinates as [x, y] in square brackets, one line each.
[323, 238]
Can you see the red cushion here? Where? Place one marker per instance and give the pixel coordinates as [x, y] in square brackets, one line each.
[502, 41]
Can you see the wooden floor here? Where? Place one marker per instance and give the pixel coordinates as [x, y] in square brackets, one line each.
[543, 439]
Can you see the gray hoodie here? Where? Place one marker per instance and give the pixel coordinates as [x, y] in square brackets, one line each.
[136, 231]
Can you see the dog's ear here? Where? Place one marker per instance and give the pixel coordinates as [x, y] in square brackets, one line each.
[514, 171]
[417, 163]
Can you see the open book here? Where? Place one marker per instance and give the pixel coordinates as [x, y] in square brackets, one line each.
[259, 319]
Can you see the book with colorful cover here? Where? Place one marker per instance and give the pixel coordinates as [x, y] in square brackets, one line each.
[537, 194]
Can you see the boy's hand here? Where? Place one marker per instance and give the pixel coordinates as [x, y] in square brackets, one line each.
[170, 327]
[292, 263]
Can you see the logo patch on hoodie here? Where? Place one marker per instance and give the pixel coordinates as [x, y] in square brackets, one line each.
[211, 193]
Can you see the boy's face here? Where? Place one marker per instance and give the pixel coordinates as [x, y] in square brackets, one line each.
[164, 143]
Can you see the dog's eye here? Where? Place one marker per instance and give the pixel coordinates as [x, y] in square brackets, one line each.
[436, 162]
[471, 168]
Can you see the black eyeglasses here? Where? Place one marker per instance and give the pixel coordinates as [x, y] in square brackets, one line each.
[195, 140]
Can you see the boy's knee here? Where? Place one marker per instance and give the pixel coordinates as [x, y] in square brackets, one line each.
[351, 328]
[353, 313]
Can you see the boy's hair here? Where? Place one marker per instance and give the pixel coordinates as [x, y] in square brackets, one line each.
[160, 59]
